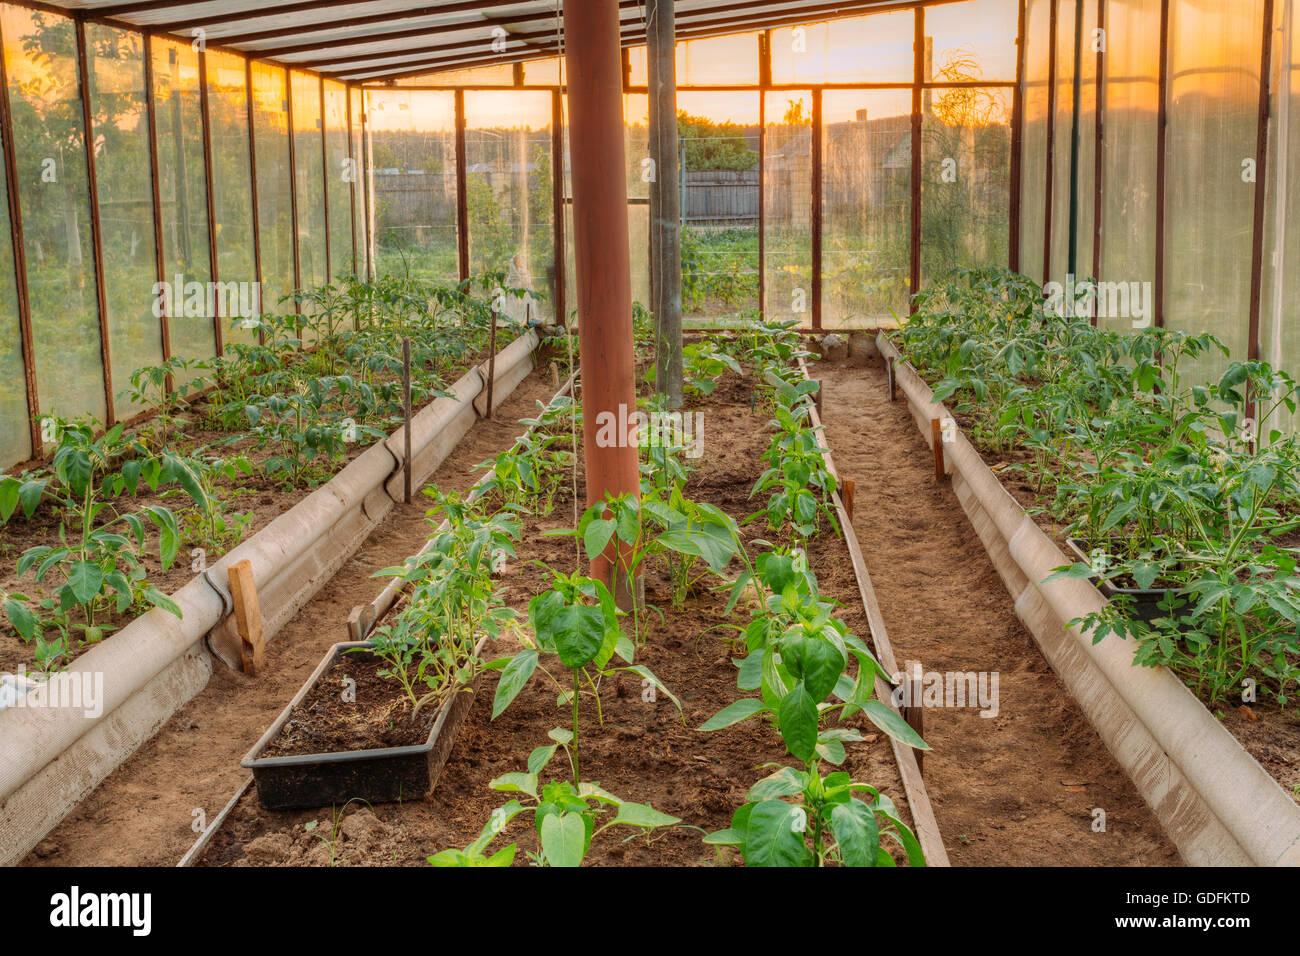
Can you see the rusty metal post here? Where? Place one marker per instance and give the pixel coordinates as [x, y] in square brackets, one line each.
[601, 259]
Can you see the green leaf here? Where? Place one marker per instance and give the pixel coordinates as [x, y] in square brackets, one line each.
[774, 835]
[733, 713]
[857, 834]
[160, 600]
[797, 720]
[785, 782]
[513, 679]
[579, 633]
[539, 758]
[516, 783]
[8, 497]
[85, 580]
[888, 720]
[596, 538]
[818, 662]
[30, 495]
[21, 617]
[643, 815]
[564, 838]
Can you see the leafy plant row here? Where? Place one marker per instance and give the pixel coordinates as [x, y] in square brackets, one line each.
[299, 389]
[1175, 483]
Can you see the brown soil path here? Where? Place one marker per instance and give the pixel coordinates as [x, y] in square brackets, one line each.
[143, 813]
[1021, 788]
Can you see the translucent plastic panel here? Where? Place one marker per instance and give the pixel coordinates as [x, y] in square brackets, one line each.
[509, 190]
[412, 180]
[1213, 116]
[15, 437]
[232, 195]
[715, 61]
[1061, 166]
[548, 72]
[120, 125]
[309, 178]
[1279, 330]
[1087, 175]
[866, 206]
[274, 182]
[1033, 163]
[497, 75]
[636, 144]
[871, 49]
[638, 228]
[182, 186]
[1132, 97]
[787, 207]
[974, 40]
[358, 186]
[338, 179]
[54, 197]
[636, 151]
[966, 175]
[718, 135]
[638, 233]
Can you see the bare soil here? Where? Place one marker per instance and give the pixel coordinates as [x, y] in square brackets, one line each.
[1021, 788]
[378, 714]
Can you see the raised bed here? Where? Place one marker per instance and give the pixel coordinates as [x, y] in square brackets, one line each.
[1218, 805]
[51, 758]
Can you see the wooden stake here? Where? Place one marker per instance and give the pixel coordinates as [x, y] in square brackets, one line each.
[892, 396]
[406, 431]
[936, 441]
[492, 362]
[914, 712]
[248, 617]
[817, 400]
[846, 496]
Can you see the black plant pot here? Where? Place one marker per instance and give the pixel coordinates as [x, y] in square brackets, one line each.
[1143, 603]
[379, 775]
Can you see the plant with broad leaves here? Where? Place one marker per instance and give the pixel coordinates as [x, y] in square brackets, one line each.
[161, 388]
[568, 815]
[454, 600]
[704, 364]
[800, 483]
[101, 549]
[575, 622]
[798, 656]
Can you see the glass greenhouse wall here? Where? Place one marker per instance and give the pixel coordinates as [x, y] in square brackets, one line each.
[828, 168]
[215, 187]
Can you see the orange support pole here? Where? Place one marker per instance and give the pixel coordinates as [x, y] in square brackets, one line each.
[601, 258]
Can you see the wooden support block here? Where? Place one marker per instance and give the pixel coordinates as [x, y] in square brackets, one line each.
[846, 496]
[936, 441]
[890, 370]
[248, 617]
[817, 398]
[914, 711]
[360, 622]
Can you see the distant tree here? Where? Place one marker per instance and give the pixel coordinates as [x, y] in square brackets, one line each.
[712, 145]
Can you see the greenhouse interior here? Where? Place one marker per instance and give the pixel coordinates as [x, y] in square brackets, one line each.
[650, 433]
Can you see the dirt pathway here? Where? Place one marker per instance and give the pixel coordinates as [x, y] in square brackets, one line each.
[144, 812]
[1021, 788]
